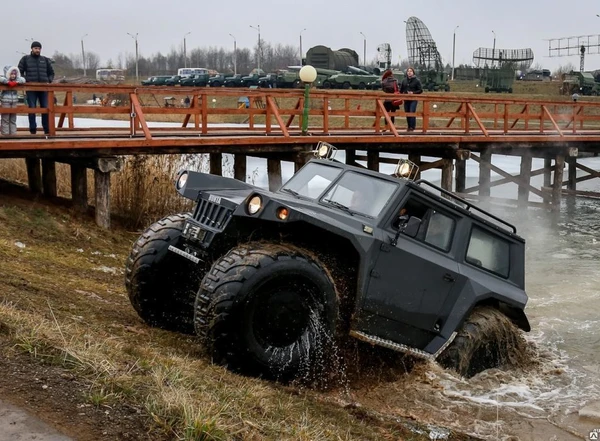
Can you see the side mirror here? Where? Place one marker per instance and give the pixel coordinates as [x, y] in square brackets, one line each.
[412, 226]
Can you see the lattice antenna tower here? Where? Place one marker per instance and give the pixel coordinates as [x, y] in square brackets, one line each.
[578, 45]
[422, 50]
[492, 57]
[384, 56]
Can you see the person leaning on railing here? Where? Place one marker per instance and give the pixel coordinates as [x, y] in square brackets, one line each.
[37, 69]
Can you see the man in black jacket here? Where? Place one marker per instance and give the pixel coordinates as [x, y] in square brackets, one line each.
[37, 69]
[411, 85]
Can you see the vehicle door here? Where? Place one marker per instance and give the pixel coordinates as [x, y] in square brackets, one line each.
[411, 279]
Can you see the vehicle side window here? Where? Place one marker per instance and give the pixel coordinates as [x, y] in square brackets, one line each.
[435, 228]
[488, 252]
[440, 229]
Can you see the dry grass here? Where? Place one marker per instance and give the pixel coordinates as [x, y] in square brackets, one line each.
[62, 301]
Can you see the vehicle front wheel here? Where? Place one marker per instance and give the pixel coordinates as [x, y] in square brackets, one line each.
[267, 309]
[162, 285]
[487, 339]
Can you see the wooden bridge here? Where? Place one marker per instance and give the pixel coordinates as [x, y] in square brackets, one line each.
[453, 128]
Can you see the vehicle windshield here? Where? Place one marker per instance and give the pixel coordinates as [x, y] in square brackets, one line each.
[312, 180]
[360, 193]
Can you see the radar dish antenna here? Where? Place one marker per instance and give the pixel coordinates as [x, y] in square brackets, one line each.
[384, 56]
[486, 57]
[422, 50]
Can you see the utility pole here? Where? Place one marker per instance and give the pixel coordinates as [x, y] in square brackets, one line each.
[494, 49]
[259, 48]
[234, 54]
[364, 50]
[185, 50]
[453, 50]
[135, 37]
[83, 55]
[301, 45]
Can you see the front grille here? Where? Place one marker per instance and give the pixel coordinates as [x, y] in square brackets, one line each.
[212, 215]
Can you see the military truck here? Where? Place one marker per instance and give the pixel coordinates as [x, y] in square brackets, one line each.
[579, 82]
[354, 78]
[195, 80]
[434, 80]
[290, 77]
[272, 280]
[498, 79]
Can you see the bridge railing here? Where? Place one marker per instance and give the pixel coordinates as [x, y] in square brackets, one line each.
[279, 112]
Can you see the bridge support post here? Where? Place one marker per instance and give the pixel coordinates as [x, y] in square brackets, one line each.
[373, 160]
[460, 175]
[572, 178]
[34, 175]
[447, 174]
[239, 167]
[558, 180]
[413, 157]
[79, 186]
[547, 172]
[351, 157]
[102, 198]
[525, 174]
[49, 177]
[274, 173]
[216, 164]
[485, 172]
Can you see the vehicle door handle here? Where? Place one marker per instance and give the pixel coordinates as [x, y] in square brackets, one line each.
[448, 278]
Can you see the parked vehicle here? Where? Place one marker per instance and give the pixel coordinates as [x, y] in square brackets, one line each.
[272, 280]
[579, 82]
[355, 79]
[159, 80]
[290, 78]
[218, 80]
[175, 80]
[268, 81]
[497, 79]
[198, 80]
[234, 81]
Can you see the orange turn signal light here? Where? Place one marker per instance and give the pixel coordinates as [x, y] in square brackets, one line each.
[282, 213]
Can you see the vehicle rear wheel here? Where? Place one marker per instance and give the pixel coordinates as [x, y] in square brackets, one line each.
[326, 85]
[346, 85]
[267, 310]
[162, 285]
[487, 339]
[216, 84]
[362, 86]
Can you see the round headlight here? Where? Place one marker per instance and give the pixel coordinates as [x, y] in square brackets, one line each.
[182, 180]
[323, 150]
[254, 205]
[282, 213]
[404, 170]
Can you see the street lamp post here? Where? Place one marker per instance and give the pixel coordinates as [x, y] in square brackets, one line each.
[135, 37]
[453, 50]
[364, 50]
[83, 55]
[234, 54]
[185, 49]
[494, 49]
[308, 75]
[301, 45]
[259, 48]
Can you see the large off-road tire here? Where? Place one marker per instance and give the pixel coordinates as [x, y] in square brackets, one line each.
[488, 339]
[162, 285]
[269, 310]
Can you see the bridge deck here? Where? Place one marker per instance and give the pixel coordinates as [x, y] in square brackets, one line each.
[214, 122]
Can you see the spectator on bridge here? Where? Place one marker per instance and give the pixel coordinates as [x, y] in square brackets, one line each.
[389, 84]
[9, 99]
[37, 69]
[411, 85]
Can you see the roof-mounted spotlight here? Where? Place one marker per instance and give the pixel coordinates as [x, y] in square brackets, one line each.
[325, 150]
[406, 169]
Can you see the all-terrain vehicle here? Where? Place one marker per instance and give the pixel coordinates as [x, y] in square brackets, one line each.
[271, 279]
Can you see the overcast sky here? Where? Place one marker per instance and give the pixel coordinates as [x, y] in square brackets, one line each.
[161, 25]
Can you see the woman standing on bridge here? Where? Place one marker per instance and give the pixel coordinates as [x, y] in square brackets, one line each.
[9, 99]
[411, 85]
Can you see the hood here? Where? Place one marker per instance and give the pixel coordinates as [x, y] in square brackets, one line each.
[9, 69]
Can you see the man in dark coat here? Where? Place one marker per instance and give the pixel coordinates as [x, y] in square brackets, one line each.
[411, 85]
[37, 69]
